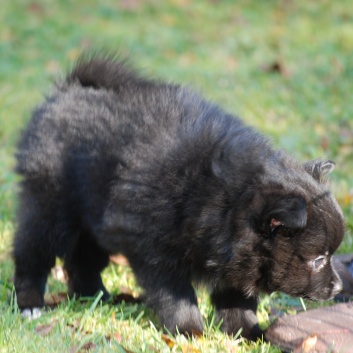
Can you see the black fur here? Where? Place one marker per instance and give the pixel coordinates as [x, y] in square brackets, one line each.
[113, 163]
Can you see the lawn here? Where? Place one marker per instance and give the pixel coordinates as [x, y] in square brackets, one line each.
[285, 67]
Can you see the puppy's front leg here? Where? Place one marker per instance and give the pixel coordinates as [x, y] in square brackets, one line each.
[237, 311]
[176, 307]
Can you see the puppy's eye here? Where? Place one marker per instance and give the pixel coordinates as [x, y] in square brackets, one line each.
[319, 262]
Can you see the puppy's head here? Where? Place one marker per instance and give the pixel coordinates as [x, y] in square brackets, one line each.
[296, 227]
[304, 229]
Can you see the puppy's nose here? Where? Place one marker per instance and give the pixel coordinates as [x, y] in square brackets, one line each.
[337, 282]
[337, 287]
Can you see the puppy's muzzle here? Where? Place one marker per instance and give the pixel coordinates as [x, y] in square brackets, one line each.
[337, 282]
[337, 287]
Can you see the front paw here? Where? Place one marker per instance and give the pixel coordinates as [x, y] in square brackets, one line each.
[254, 333]
[237, 319]
[237, 311]
[185, 320]
[31, 314]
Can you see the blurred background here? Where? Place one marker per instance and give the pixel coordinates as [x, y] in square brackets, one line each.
[285, 67]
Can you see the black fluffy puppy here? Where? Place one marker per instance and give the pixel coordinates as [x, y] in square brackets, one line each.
[113, 163]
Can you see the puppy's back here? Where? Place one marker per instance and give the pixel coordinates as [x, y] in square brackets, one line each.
[103, 105]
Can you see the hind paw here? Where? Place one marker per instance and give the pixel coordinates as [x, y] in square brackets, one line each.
[31, 314]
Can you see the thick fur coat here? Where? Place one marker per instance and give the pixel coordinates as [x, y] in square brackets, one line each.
[114, 163]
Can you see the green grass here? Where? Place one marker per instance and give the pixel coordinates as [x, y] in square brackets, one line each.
[225, 49]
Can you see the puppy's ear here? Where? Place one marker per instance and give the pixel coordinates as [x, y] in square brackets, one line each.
[319, 169]
[288, 212]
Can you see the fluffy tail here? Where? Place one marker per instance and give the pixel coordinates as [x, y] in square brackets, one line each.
[100, 71]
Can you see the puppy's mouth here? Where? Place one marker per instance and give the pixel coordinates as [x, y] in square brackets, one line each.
[326, 293]
[315, 298]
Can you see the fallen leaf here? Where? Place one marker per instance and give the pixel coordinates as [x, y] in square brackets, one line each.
[307, 345]
[34, 7]
[277, 67]
[86, 347]
[44, 330]
[119, 260]
[325, 143]
[168, 340]
[196, 334]
[54, 299]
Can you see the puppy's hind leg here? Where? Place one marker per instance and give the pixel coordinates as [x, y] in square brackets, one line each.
[84, 263]
[34, 251]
